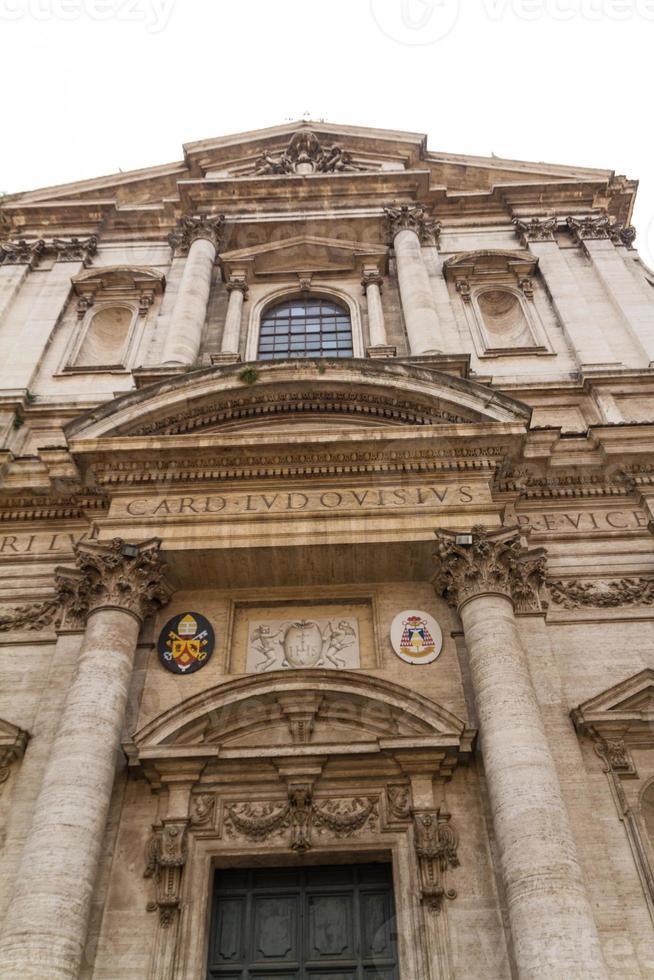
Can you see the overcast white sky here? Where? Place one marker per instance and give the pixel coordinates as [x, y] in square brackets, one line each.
[91, 86]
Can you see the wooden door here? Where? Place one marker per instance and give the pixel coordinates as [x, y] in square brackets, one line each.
[324, 923]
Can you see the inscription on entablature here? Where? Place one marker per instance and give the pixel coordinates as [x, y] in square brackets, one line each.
[39, 544]
[432, 496]
[584, 521]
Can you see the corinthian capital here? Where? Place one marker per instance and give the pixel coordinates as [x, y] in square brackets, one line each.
[488, 562]
[21, 252]
[190, 228]
[114, 574]
[75, 249]
[590, 227]
[415, 219]
[535, 229]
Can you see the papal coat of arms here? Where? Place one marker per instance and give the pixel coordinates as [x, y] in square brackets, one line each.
[303, 643]
[185, 643]
[416, 637]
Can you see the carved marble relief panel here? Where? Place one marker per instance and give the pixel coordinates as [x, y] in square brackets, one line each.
[337, 634]
[275, 644]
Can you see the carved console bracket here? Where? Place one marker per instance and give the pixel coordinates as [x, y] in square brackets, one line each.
[436, 844]
[165, 859]
[13, 742]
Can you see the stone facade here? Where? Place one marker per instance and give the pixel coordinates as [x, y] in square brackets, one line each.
[481, 459]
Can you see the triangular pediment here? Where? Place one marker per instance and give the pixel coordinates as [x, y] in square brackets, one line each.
[626, 708]
[305, 254]
[369, 163]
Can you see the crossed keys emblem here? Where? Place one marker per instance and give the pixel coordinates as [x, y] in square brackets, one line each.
[185, 647]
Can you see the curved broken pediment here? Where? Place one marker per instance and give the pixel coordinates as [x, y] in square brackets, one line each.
[347, 390]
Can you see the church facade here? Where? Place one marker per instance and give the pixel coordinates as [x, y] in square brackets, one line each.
[326, 568]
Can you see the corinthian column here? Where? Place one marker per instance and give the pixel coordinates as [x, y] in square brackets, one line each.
[372, 282]
[198, 239]
[409, 228]
[237, 289]
[112, 589]
[552, 926]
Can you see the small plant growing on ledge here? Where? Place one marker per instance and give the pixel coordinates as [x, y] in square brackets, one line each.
[248, 375]
[321, 367]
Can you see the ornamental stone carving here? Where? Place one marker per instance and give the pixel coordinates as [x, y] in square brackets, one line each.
[372, 279]
[75, 249]
[166, 854]
[21, 252]
[302, 816]
[190, 228]
[589, 227]
[436, 844]
[114, 574]
[13, 742]
[574, 594]
[33, 617]
[305, 155]
[622, 234]
[238, 285]
[615, 755]
[398, 798]
[488, 562]
[536, 229]
[417, 219]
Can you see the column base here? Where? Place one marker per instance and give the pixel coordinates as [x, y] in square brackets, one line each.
[225, 357]
[381, 350]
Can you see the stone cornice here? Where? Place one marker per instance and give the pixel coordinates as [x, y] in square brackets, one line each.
[482, 562]
[113, 574]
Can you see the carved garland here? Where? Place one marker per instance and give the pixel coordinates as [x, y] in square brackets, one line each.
[574, 594]
[301, 814]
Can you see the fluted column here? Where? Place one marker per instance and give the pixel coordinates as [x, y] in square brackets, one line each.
[552, 927]
[198, 238]
[409, 227]
[237, 288]
[113, 587]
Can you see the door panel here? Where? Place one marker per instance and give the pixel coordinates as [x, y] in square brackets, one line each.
[324, 923]
[330, 932]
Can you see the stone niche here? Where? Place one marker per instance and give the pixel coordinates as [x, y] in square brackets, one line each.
[338, 634]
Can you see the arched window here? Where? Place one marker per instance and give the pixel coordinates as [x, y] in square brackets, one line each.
[311, 327]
